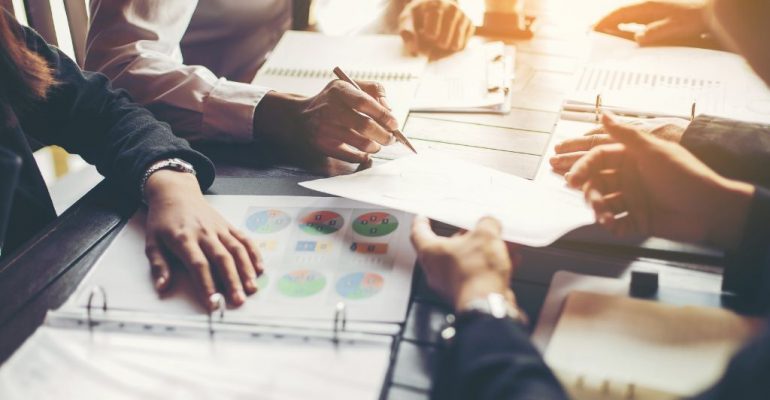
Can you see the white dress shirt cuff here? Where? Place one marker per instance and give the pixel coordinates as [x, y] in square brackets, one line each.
[228, 113]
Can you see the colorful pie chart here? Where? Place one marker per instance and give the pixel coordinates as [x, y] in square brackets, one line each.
[267, 221]
[301, 283]
[321, 223]
[375, 224]
[359, 285]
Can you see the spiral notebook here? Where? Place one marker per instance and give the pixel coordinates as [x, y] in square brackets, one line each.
[302, 63]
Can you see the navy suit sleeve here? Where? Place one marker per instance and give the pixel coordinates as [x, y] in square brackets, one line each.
[493, 359]
[84, 115]
[735, 149]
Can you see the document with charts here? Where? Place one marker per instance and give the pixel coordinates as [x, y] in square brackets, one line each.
[302, 63]
[318, 252]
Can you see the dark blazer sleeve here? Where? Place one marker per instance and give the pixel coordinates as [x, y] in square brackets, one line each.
[84, 115]
[493, 359]
[737, 150]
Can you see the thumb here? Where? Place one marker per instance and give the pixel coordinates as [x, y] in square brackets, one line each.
[660, 33]
[631, 138]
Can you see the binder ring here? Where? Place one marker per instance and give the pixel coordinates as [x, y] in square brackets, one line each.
[89, 305]
[218, 300]
[340, 319]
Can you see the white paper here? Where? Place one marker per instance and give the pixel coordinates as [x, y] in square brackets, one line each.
[302, 63]
[667, 80]
[459, 82]
[310, 265]
[76, 364]
[460, 193]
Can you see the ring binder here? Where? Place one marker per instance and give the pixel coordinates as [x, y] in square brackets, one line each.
[598, 108]
[219, 301]
[94, 291]
[340, 310]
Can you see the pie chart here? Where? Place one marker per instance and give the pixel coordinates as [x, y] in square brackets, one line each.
[267, 221]
[375, 224]
[301, 283]
[321, 223]
[359, 285]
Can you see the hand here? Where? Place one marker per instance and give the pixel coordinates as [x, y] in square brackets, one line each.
[434, 25]
[340, 122]
[182, 226]
[667, 23]
[650, 186]
[571, 150]
[466, 266]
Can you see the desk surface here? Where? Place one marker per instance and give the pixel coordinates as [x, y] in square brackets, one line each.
[43, 274]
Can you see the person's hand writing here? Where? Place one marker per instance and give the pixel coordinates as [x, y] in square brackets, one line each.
[571, 150]
[466, 266]
[666, 23]
[434, 25]
[182, 226]
[340, 122]
[650, 186]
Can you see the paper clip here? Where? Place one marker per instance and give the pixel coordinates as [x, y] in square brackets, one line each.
[218, 300]
[598, 108]
[94, 291]
[340, 320]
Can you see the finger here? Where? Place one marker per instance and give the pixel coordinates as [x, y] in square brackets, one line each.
[224, 264]
[662, 32]
[159, 266]
[609, 156]
[357, 130]
[341, 151]
[490, 225]
[451, 19]
[595, 199]
[563, 162]
[422, 234]
[459, 36]
[189, 252]
[360, 101]
[410, 42]
[377, 91]
[633, 139]
[433, 19]
[642, 13]
[252, 249]
[243, 262]
[615, 203]
[582, 143]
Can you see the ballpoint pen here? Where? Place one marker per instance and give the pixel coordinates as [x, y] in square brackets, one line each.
[396, 132]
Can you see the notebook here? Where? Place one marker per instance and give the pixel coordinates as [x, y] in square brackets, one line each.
[477, 79]
[302, 63]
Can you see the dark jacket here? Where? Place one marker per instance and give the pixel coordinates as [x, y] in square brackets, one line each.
[493, 359]
[85, 116]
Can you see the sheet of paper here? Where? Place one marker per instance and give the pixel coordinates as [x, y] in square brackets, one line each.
[678, 351]
[667, 80]
[77, 364]
[460, 82]
[460, 193]
[379, 58]
[318, 251]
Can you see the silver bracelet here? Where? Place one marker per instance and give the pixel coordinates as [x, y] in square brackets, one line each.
[174, 164]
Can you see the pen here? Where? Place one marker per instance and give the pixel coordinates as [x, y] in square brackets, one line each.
[396, 132]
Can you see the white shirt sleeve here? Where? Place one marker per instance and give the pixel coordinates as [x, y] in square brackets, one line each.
[136, 43]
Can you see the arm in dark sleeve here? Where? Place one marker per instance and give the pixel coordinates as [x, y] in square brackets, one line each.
[748, 268]
[737, 150]
[493, 359]
[86, 116]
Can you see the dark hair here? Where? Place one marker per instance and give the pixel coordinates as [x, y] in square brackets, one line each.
[25, 76]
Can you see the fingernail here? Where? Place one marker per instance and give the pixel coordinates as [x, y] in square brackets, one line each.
[384, 102]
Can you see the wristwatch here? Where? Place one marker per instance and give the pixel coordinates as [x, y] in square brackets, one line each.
[495, 305]
[175, 164]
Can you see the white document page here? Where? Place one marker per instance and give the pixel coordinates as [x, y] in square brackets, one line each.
[302, 63]
[460, 193]
[77, 364]
[318, 251]
[667, 81]
[460, 82]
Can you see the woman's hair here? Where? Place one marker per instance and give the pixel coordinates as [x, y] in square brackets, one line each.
[25, 76]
